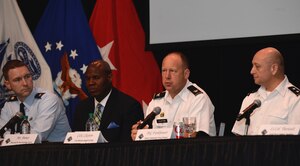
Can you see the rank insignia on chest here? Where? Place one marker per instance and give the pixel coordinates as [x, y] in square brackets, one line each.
[162, 114]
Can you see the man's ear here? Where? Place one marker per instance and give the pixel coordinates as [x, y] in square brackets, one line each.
[186, 73]
[109, 76]
[7, 84]
[274, 69]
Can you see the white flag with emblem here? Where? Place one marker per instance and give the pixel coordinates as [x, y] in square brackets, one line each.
[17, 42]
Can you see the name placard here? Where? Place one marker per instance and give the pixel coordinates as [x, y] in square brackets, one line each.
[84, 137]
[19, 139]
[279, 130]
[154, 134]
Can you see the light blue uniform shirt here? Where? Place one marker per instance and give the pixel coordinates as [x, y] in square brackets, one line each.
[46, 115]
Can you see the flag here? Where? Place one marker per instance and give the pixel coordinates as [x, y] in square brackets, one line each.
[17, 42]
[120, 36]
[65, 39]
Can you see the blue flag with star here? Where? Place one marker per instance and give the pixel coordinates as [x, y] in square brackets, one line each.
[65, 39]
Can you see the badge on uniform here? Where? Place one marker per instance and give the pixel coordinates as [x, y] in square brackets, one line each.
[39, 95]
[13, 98]
[162, 114]
[162, 121]
[159, 95]
[194, 90]
[295, 90]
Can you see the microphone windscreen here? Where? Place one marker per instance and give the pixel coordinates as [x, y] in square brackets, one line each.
[157, 110]
[257, 102]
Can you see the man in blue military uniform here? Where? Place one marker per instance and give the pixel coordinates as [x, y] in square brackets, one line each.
[45, 110]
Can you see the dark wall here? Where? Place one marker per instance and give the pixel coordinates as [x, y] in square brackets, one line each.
[221, 68]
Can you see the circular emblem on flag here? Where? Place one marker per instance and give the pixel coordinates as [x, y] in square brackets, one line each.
[23, 51]
[66, 91]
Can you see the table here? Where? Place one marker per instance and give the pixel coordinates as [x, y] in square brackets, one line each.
[244, 150]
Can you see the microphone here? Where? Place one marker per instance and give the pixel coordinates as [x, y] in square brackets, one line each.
[247, 111]
[148, 120]
[11, 123]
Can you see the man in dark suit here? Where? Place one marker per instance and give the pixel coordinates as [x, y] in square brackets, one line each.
[120, 110]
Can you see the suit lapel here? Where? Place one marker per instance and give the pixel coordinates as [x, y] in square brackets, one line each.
[108, 110]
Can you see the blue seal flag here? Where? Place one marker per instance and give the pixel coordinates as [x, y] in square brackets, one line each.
[17, 42]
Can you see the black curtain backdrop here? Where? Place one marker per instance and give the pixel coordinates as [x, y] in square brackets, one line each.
[221, 68]
[214, 151]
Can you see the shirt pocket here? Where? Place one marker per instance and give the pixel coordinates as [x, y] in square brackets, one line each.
[278, 116]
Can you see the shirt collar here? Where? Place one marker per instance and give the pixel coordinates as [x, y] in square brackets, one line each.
[281, 88]
[104, 101]
[181, 95]
[30, 99]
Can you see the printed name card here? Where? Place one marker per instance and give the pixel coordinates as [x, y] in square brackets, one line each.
[84, 137]
[154, 134]
[279, 129]
[19, 139]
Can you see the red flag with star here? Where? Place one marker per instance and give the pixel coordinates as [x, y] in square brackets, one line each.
[120, 36]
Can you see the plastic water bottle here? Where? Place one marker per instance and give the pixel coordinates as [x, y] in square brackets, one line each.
[25, 126]
[90, 124]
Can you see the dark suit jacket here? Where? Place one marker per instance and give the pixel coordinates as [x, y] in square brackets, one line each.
[121, 109]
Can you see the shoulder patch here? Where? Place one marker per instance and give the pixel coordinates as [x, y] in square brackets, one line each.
[39, 95]
[159, 95]
[253, 91]
[12, 98]
[295, 90]
[194, 90]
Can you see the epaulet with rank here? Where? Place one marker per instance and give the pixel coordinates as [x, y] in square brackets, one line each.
[12, 98]
[295, 90]
[39, 95]
[159, 95]
[253, 91]
[194, 90]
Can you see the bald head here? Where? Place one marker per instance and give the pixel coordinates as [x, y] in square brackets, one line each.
[271, 56]
[268, 68]
[98, 77]
[101, 65]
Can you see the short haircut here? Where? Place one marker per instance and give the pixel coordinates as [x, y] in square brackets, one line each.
[103, 64]
[185, 61]
[12, 64]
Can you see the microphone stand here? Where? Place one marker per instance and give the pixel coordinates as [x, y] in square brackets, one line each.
[247, 122]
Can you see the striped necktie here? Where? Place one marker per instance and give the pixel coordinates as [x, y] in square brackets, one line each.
[98, 114]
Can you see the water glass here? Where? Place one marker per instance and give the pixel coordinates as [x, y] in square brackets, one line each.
[189, 127]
